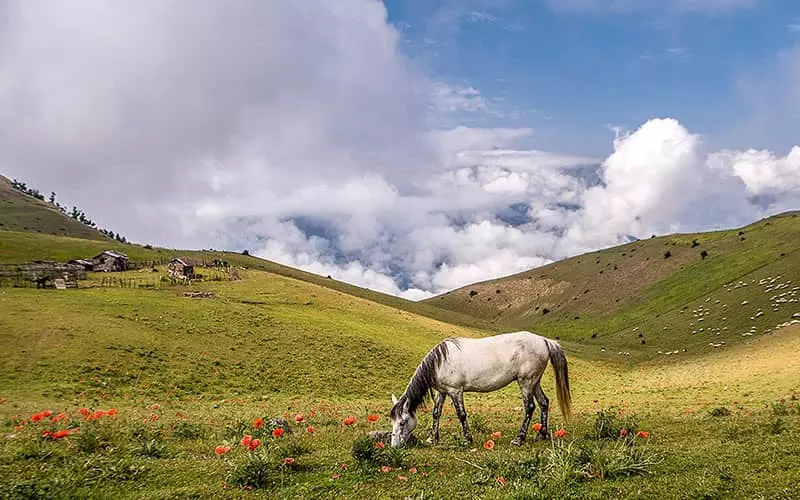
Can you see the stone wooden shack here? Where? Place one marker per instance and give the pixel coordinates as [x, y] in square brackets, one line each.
[86, 264]
[110, 261]
[181, 267]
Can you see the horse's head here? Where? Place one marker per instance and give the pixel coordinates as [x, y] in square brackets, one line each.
[403, 421]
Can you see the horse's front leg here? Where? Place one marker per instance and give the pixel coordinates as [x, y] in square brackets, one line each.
[438, 403]
[458, 404]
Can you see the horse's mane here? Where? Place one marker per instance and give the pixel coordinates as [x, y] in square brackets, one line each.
[420, 387]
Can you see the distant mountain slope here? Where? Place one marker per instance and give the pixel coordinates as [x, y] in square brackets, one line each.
[646, 285]
[20, 212]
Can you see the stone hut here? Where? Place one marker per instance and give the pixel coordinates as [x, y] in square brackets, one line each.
[110, 261]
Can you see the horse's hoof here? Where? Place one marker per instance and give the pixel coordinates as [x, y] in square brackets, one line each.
[541, 437]
[516, 441]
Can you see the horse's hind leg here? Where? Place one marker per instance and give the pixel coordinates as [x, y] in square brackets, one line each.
[458, 404]
[544, 408]
[438, 403]
[528, 401]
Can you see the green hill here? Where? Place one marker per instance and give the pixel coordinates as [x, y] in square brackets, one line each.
[21, 212]
[676, 292]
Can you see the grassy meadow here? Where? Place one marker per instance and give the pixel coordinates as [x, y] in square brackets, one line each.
[189, 376]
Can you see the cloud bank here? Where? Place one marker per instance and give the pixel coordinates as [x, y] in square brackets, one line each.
[299, 130]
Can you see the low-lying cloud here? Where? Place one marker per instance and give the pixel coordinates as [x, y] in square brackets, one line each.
[298, 130]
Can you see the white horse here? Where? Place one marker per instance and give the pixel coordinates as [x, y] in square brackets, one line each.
[459, 365]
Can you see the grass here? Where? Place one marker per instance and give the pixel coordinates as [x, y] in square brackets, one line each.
[268, 346]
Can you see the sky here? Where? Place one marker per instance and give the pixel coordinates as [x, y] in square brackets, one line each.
[408, 146]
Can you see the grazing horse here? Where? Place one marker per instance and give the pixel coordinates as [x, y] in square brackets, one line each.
[458, 365]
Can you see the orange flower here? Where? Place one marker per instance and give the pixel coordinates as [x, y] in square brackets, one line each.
[350, 420]
[60, 434]
[489, 445]
[496, 435]
[278, 432]
[402, 478]
[299, 418]
[373, 418]
[537, 426]
[501, 481]
[386, 469]
[336, 476]
[246, 439]
[153, 417]
[561, 433]
[288, 461]
[221, 450]
[85, 412]
[58, 418]
[46, 413]
[380, 445]
[253, 444]
[156, 406]
[344, 467]
[310, 429]
[112, 412]
[98, 414]
[643, 434]
[623, 432]
[258, 423]
[36, 417]
[46, 434]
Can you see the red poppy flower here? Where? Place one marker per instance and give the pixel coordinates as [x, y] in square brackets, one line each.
[402, 478]
[112, 412]
[412, 470]
[46, 413]
[299, 418]
[60, 434]
[379, 445]
[98, 414]
[501, 481]
[246, 439]
[310, 429]
[58, 418]
[489, 445]
[289, 461]
[642, 434]
[36, 417]
[153, 417]
[386, 469]
[335, 476]
[623, 432]
[561, 433]
[537, 426]
[373, 418]
[350, 420]
[258, 423]
[255, 443]
[46, 434]
[496, 435]
[156, 406]
[276, 433]
[344, 467]
[221, 450]
[84, 411]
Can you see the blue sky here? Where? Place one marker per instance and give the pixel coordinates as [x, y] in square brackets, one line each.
[569, 72]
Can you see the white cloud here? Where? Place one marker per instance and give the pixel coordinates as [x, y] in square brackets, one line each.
[298, 130]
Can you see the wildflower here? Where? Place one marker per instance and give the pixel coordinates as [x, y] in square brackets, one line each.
[489, 445]
[278, 432]
[112, 412]
[58, 418]
[561, 433]
[179, 415]
[501, 481]
[246, 439]
[299, 418]
[402, 478]
[344, 467]
[350, 420]
[156, 406]
[221, 450]
[60, 434]
[412, 470]
[623, 432]
[380, 445]
[373, 418]
[255, 443]
[46, 413]
[537, 426]
[288, 461]
[153, 417]
[98, 414]
[496, 435]
[46, 434]
[36, 417]
[425, 474]
[258, 423]
[84, 411]
[336, 476]
[310, 429]
[386, 469]
[642, 434]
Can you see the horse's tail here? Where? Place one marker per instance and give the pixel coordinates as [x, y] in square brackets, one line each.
[559, 361]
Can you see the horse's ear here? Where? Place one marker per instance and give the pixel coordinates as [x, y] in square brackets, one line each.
[394, 399]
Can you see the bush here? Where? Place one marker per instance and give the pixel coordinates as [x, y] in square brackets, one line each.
[370, 453]
[667, 254]
[720, 411]
[703, 254]
[608, 424]
[254, 471]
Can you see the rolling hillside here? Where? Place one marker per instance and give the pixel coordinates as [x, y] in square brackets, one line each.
[20, 212]
[676, 292]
